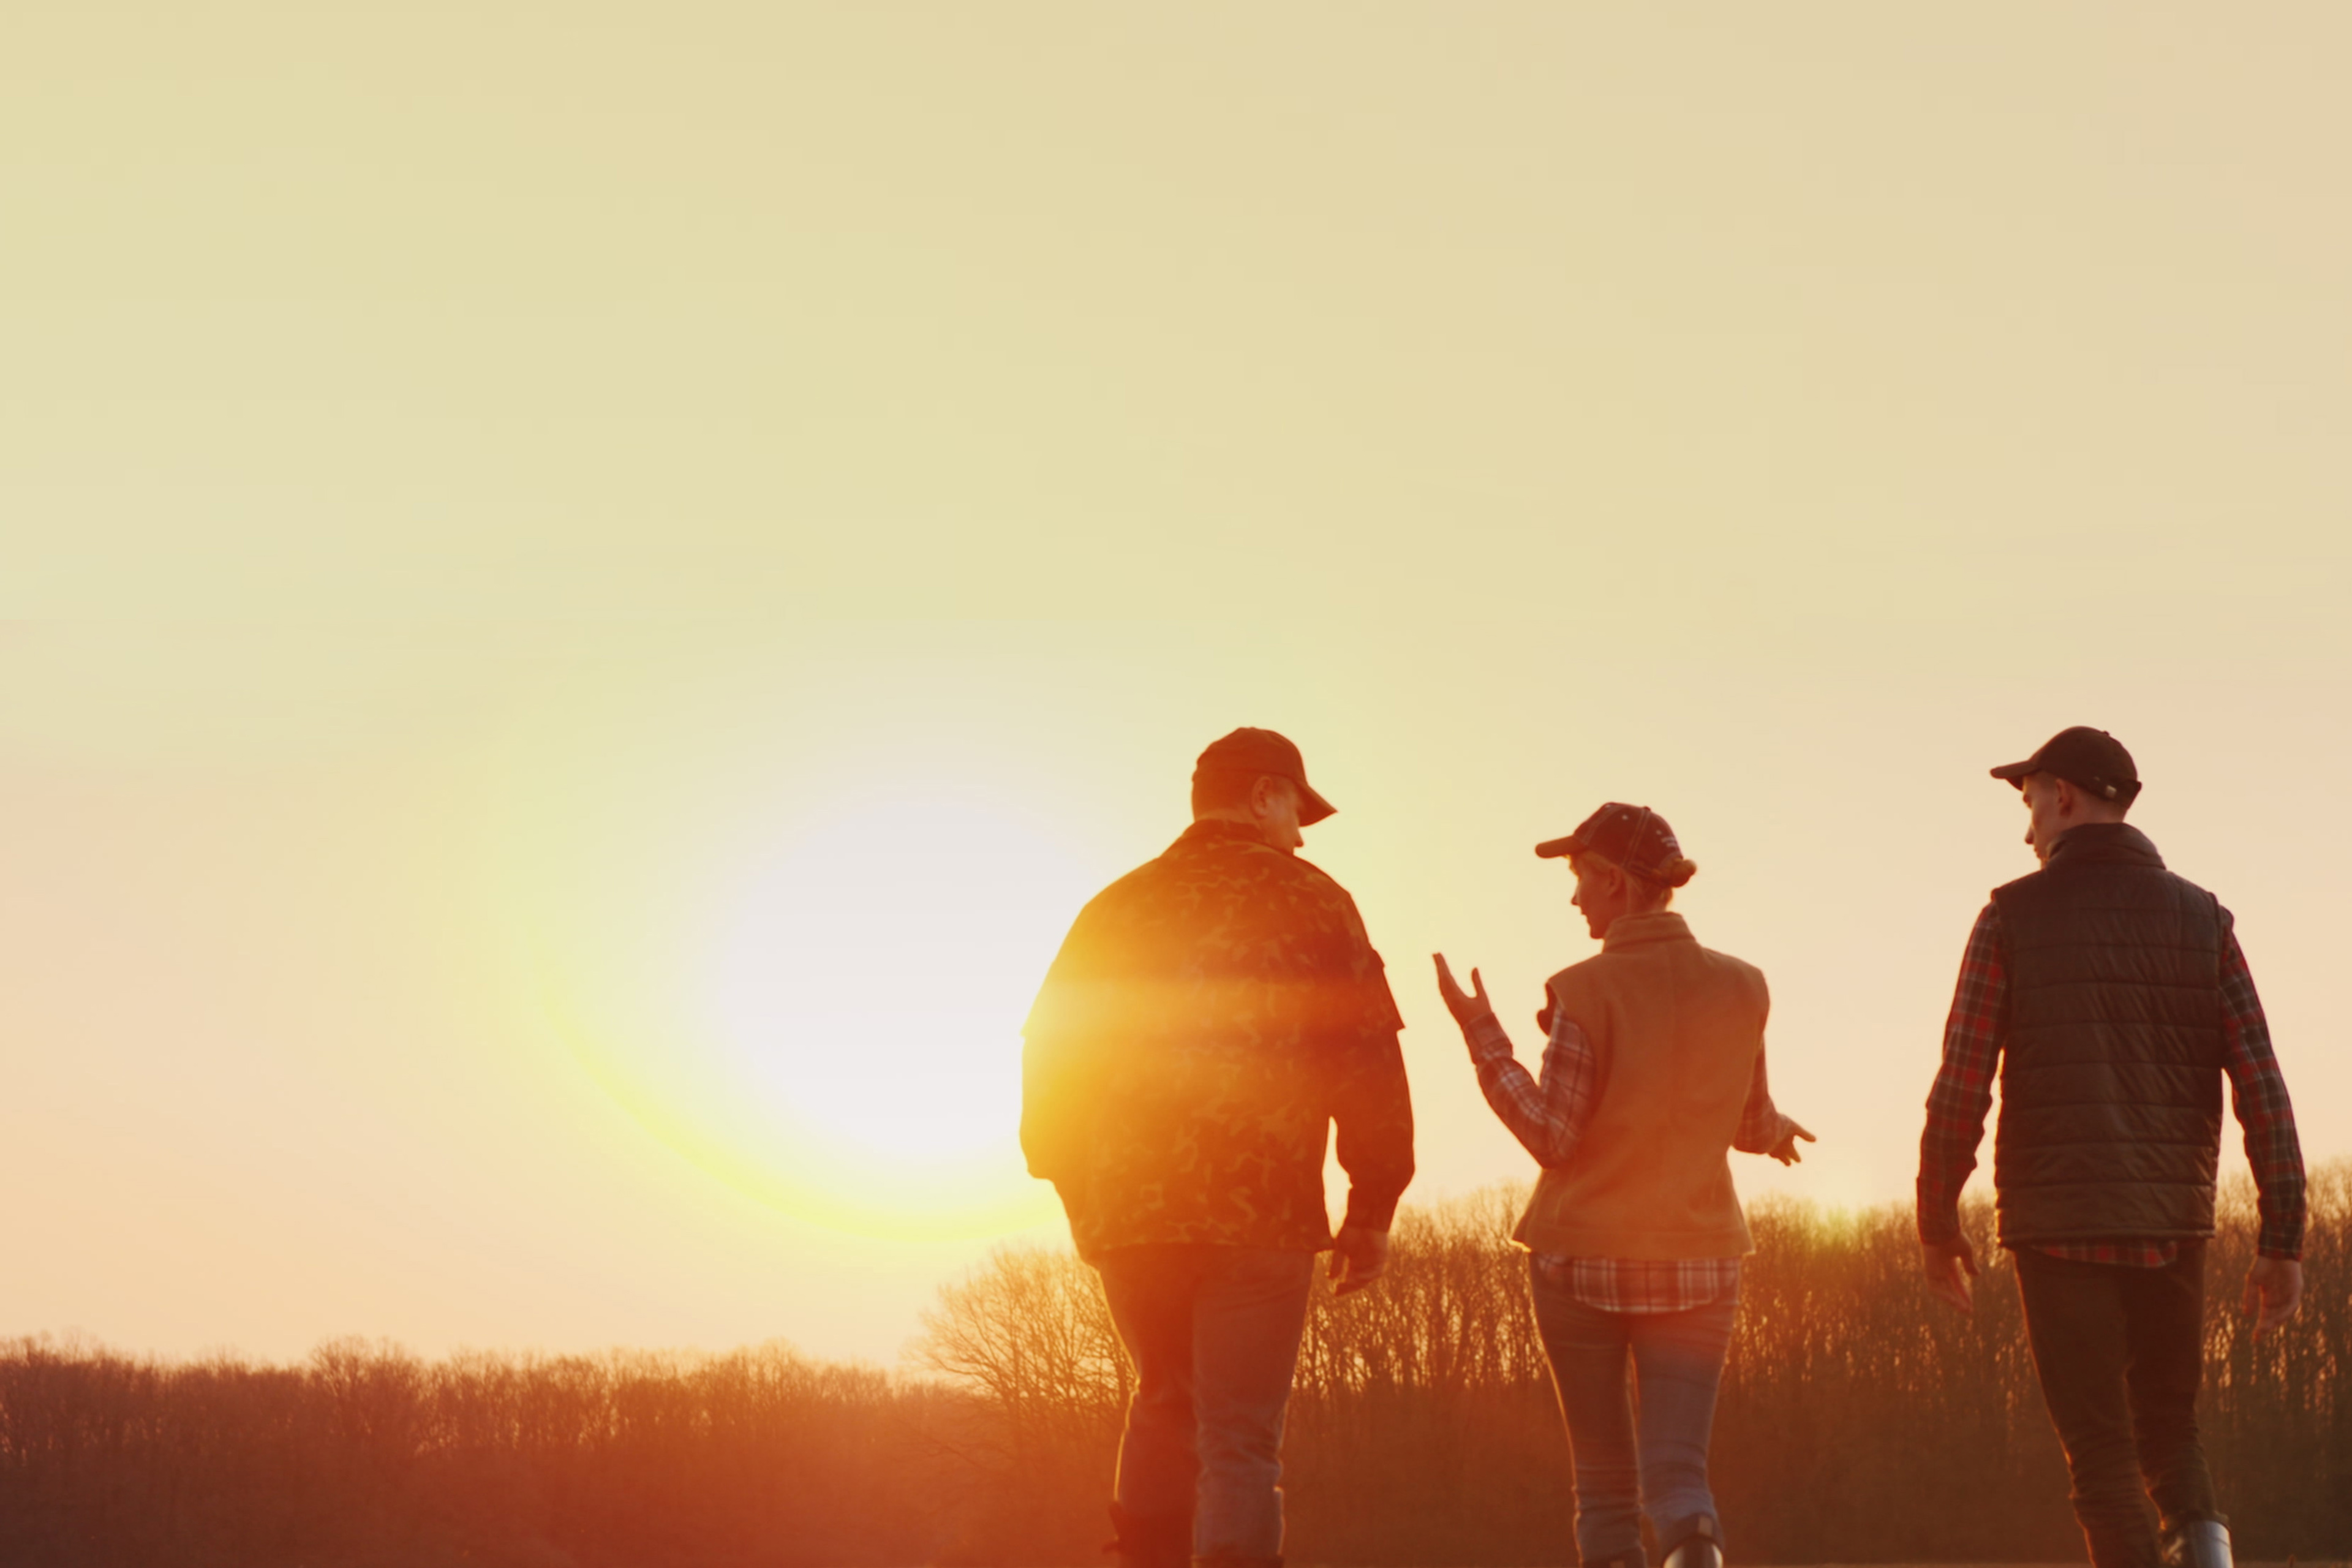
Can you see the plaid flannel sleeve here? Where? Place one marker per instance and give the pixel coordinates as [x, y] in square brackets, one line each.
[1547, 1117]
[1956, 1105]
[1761, 1125]
[2258, 1090]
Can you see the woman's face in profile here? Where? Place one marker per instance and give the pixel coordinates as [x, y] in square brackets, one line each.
[1600, 893]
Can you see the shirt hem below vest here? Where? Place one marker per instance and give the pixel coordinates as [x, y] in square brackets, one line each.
[1698, 1248]
[2055, 1238]
[2019, 1182]
[2093, 1143]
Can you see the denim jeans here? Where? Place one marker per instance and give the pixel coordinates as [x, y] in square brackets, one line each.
[1214, 1334]
[1677, 1363]
[2120, 1352]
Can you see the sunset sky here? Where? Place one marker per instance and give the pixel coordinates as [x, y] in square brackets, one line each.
[590, 590]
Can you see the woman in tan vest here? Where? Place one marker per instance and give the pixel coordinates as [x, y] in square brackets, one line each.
[1654, 1070]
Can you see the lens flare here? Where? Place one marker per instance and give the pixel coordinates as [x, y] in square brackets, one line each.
[847, 1046]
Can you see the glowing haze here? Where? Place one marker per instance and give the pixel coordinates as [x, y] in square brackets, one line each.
[458, 890]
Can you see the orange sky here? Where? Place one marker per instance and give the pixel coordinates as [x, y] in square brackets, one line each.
[590, 595]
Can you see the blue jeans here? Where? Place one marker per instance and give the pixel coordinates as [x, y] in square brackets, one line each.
[1213, 1334]
[1677, 1362]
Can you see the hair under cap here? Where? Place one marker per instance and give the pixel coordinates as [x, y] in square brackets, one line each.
[1633, 837]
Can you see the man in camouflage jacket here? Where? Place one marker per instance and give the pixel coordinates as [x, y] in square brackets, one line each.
[1209, 1016]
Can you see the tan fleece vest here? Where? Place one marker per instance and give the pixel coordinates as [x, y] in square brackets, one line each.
[1675, 1030]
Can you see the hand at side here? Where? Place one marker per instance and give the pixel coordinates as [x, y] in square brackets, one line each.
[1359, 1257]
[2273, 1292]
[1949, 1269]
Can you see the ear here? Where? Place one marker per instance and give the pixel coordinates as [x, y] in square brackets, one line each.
[2066, 795]
[1263, 794]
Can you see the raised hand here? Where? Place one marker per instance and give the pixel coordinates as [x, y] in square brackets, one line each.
[1467, 1007]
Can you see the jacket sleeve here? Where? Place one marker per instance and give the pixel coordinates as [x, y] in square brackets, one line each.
[1371, 1101]
[1062, 1048]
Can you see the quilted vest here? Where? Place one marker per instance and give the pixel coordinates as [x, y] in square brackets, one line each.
[2111, 1078]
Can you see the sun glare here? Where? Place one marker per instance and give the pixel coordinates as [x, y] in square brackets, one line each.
[858, 1028]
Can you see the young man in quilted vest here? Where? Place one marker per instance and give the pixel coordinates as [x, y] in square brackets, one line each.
[2111, 998]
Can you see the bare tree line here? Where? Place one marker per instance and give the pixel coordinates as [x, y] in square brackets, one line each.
[1858, 1422]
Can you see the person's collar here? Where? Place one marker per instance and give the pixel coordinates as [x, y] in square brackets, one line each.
[1219, 830]
[1638, 931]
[2104, 844]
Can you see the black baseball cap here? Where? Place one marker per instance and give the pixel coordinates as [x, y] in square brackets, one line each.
[1248, 750]
[2087, 758]
[1632, 835]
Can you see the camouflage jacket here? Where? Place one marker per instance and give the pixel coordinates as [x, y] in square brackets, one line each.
[1209, 1015]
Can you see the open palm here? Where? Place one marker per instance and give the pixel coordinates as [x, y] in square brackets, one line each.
[1467, 1007]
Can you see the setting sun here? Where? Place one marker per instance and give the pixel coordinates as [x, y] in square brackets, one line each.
[597, 591]
[868, 989]
[844, 1043]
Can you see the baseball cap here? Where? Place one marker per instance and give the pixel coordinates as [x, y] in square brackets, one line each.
[1632, 835]
[1248, 750]
[2087, 758]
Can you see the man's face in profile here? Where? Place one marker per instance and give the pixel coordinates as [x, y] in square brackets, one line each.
[2047, 807]
[1275, 803]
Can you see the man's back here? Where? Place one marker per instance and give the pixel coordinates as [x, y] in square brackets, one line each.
[2111, 997]
[2111, 1075]
[1209, 1014]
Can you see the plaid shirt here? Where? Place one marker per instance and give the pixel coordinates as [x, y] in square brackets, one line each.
[1973, 1038]
[1548, 1118]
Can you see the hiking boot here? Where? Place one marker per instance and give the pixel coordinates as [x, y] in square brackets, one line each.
[1161, 1541]
[1697, 1548]
[2200, 1543]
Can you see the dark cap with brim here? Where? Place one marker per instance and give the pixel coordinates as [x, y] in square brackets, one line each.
[1248, 750]
[1633, 837]
[2086, 758]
